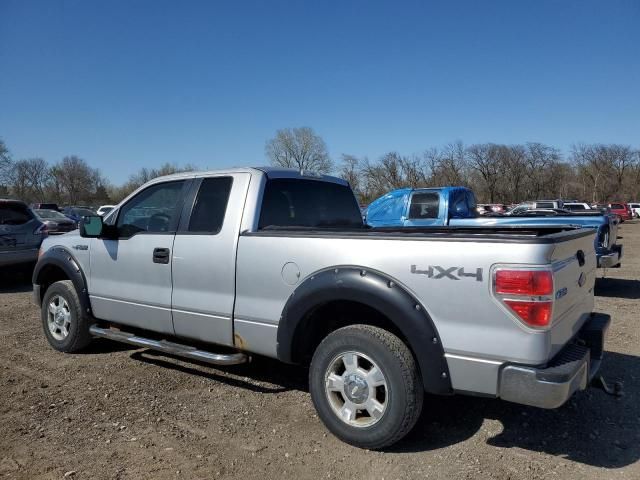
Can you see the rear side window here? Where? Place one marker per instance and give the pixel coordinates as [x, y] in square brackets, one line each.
[211, 205]
[292, 202]
[545, 205]
[575, 208]
[617, 206]
[14, 214]
[424, 205]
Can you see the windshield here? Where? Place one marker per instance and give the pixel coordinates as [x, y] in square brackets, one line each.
[49, 214]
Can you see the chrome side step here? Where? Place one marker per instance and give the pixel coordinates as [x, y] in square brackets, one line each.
[170, 347]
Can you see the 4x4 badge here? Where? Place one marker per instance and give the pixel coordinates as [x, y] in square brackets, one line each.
[454, 273]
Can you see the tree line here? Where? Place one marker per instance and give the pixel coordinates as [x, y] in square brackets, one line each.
[497, 173]
[70, 181]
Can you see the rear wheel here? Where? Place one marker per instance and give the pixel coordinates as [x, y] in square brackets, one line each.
[65, 324]
[365, 385]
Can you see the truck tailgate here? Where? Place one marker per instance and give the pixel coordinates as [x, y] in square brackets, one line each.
[574, 272]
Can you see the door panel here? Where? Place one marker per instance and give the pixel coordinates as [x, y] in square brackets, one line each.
[204, 261]
[127, 286]
[130, 278]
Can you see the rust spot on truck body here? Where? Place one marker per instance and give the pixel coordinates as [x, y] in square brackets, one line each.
[239, 342]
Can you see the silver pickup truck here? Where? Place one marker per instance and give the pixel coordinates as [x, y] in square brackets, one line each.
[220, 266]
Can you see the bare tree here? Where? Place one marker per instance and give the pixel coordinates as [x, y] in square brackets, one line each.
[142, 176]
[5, 164]
[29, 179]
[75, 180]
[299, 148]
[448, 165]
[514, 169]
[350, 170]
[486, 160]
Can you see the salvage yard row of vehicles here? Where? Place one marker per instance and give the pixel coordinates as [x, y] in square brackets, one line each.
[456, 207]
[219, 266]
[22, 228]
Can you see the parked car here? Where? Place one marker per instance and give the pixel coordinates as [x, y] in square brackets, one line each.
[76, 213]
[621, 209]
[55, 221]
[635, 209]
[455, 207]
[45, 206]
[576, 206]
[21, 233]
[104, 209]
[276, 263]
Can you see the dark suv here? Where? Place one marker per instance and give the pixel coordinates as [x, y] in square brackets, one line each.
[21, 233]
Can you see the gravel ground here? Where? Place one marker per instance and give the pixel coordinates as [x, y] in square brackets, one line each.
[116, 412]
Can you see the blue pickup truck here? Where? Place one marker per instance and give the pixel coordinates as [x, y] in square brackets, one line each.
[456, 207]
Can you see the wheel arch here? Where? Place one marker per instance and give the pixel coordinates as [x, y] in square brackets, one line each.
[398, 310]
[56, 264]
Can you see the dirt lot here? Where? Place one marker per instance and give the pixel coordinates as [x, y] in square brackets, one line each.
[117, 412]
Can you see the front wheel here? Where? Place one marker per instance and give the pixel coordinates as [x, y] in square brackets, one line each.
[65, 325]
[365, 385]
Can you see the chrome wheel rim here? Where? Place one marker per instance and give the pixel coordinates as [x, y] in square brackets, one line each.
[356, 389]
[58, 317]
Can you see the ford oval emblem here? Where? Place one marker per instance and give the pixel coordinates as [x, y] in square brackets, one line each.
[582, 279]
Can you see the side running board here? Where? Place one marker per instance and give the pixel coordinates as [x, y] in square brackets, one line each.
[170, 347]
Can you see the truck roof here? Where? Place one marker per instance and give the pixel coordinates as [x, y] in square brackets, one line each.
[270, 172]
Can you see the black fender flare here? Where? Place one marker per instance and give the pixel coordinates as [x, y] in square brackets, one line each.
[62, 258]
[380, 292]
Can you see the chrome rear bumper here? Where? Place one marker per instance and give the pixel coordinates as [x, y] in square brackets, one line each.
[551, 385]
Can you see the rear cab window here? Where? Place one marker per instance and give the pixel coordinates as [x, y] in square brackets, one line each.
[294, 202]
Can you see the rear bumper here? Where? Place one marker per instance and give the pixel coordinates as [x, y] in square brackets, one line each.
[14, 257]
[611, 259]
[572, 369]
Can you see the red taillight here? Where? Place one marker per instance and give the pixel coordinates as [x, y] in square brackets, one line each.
[527, 293]
[524, 282]
[534, 314]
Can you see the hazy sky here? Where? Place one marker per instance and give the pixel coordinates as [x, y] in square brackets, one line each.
[126, 84]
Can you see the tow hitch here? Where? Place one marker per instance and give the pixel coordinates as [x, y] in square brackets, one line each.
[614, 390]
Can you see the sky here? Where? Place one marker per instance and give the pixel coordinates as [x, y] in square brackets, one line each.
[128, 84]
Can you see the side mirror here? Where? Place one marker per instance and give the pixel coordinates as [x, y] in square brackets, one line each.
[91, 226]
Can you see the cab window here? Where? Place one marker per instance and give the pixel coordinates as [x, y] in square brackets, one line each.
[154, 210]
[14, 214]
[424, 205]
[210, 205]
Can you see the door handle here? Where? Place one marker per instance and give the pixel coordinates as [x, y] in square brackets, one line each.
[161, 255]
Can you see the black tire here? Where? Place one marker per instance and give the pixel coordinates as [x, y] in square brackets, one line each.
[404, 390]
[78, 336]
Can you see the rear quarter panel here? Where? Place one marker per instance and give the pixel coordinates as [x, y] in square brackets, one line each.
[468, 320]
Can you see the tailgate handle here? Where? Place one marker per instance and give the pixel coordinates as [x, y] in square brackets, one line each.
[580, 257]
